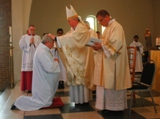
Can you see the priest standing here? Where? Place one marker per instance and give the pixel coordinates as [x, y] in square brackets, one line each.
[45, 79]
[115, 78]
[28, 44]
[78, 61]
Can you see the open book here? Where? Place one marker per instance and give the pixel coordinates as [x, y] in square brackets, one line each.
[92, 41]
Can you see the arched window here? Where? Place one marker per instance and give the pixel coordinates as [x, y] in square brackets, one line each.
[92, 21]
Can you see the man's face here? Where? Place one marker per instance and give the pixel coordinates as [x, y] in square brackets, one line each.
[60, 33]
[136, 39]
[31, 30]
[51, 44]
[73, 23]
[103, 20]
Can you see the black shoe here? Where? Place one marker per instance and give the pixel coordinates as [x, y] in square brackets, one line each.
[86, 103]
[61, 85]
[29, 91]
[58, 84]
[13, 107]
[94, 92]
[105, 111]
[112, 113]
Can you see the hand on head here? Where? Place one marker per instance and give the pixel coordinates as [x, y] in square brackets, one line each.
[51, 36]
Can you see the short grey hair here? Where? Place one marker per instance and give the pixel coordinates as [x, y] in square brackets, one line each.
[46, 39]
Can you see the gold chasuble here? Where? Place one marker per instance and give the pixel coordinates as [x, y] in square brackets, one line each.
[78, 58]
[115, 68]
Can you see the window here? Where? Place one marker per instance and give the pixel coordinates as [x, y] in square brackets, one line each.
[103, 28]
[91, 20]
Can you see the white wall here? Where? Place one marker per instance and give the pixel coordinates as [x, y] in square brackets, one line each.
[133, 15]
[156, 23]
[20, 20]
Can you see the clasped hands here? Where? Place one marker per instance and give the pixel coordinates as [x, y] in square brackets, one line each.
[56, 59]
[32, 40]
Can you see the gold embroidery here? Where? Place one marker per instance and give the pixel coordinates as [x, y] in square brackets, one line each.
[110, 46]
[69, 51]
[80, 73]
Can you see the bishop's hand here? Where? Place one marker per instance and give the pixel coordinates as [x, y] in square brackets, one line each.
[51, 36]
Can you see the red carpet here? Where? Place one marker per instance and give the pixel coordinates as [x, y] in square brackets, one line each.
[57, 102]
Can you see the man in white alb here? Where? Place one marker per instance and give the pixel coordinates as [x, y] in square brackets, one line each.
[139, 52]
[28, 44]
[45, 79]
[115, 78]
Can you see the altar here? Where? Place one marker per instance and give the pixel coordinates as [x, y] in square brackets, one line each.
[155, 56]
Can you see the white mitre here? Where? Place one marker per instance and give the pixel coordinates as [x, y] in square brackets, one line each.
[71, 13]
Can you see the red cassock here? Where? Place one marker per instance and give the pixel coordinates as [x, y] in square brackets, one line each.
[26, 80]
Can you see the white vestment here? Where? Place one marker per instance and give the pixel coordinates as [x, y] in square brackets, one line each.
[63, 74]
[73, 45]
[115, 75]
[28, 51]
[93, 34]
[115, 100]
[139, 64]
[44, 83]
[97, 58]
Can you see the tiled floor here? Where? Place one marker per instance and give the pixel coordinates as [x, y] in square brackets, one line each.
[72, 111]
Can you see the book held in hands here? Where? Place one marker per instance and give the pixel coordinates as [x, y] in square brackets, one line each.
[92, 41]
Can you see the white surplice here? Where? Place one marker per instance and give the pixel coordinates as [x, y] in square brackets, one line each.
[44, 83]
[139, 64]
[28, 51]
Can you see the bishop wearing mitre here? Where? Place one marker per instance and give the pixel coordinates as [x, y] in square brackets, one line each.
[77, 58]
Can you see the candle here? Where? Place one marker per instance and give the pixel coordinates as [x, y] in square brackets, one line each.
[10, 40]
[157, 41]
[10, 30]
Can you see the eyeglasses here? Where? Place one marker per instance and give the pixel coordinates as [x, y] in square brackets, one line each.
[99, 21]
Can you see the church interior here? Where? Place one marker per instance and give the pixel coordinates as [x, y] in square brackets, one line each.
[49, 15]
